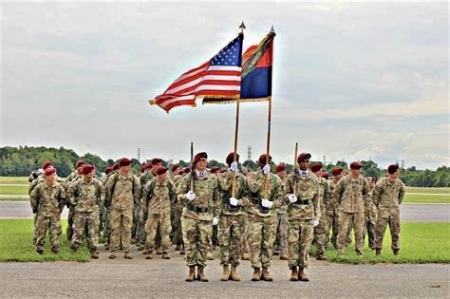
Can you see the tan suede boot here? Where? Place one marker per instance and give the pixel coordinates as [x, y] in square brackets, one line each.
[191, 274]
[200, 274]
[265, 275]
[256, 274]
[226, 273]
[165, 255]
[233, 274]
[294, 274]
[302, 275]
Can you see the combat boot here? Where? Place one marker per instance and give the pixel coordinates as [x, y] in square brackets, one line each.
[94, 254]
[165, 255]
[200, 274]
[226, 273]
[377, 251]
[256, 274]
[302, 275]
[395, 251]
[149, 255]
[112, 255]
[158, 250]
[40, 249]
[320, 257]
[182, 250]
[178, 247]
[209, 256]
[233, 274]
[265, 275]
[191, 274]
[106, 246]
[245, 256]
[284, 257]
[294, 274]
[128, 256]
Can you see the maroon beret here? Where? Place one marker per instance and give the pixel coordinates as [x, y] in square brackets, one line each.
[115, 166]
[280, 167]
[262, 160]
[108, 169]
[161, 169]
[124, 162]
[87, 168]
[325, 175]
[316, 167]
[50, 171]
[303, 156]
[392, 168]
[175, 167]
[143, 167]
[230, 158]
[186, 170]
[214, 169]
[46, 165]
[79, 163]
[223, 170]
[199, 156]
[336, 171]
[355, 165]
[156, 161]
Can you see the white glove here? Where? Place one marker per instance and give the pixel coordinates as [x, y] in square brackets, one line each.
[233, 201]
[266, 203]
[292, 198]
[315, 223]
[215, 221]
[266, 169]
[190, 196]
[234, 166]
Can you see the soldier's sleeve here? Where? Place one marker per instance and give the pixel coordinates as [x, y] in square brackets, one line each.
[338, 191]
[34, 199]
[255, 181]
[108, 186]
[278, 196]
[326, 195]
[62, 197]
[32, 185]
[366, 188]
[172, 192]
[71, 195]
[144, 195]
[137, 189]
[402, 192]
[316, 202]
[183, 188]
[225, 181]
[245, 197]
[376, 193]
[101, 192]
[216, 199]
[288, 187]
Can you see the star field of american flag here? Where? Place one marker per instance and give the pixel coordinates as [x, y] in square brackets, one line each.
[230, 55]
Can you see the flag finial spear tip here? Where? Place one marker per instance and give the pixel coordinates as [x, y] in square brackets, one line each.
[272, 30]
[242, 26]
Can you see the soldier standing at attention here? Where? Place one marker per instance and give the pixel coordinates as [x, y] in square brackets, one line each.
[157, 196]
[388, 195]
[122, 190]
[107, 233]
[262, 216]
[73, 176]
[280, 246]
[199, 191]
[370, 215]
[351, 192]
[303, 213]
[320, 230]
[48, 199]
[332, 209]
[86, 195]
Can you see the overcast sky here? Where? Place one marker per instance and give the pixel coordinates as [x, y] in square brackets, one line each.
[352, 81]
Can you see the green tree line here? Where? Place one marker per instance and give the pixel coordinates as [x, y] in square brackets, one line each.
[20, 161]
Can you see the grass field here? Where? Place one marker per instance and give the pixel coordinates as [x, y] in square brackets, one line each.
[16, 244]
[426, 198]
[13, 180]
[427, 190]
[14, 190]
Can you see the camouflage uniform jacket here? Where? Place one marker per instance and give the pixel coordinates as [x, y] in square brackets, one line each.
[255, 182]
[48, 200]
[157, 197]
[72, 176]
[86, 196]
[351, 193]
[240, 193]
[370, 211]
[307, 191]
[324, 191]
[122, 191]
[207, 195]
[388, 195]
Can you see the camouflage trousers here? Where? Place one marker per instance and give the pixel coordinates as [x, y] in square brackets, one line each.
[346, 221]
[161, 223]
[196, 235]
[141, 224]
[102, 212]
[245, 246]
[175, 218]
[261, 236]
[85, 223]
[52, 224]
[332, 227]
[385, 218]
[369, 230]
[121, 222]
[281, 235]
[107, 229]
[70, 220]
[231, 228]
[35, 216]
[319, 235]
[300, 236]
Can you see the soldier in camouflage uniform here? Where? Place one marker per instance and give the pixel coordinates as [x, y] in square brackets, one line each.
[332, 208]
[231, 224]
[324, 194]
[157, 196]
[280, 246]
[198, 191]
[175, 210]
[370, 215]
[86, 196]
[48, 199]
[69, 180]
[303, 213]
[387, 196]
[122, 191]
[107, 231]
[262, 216]
[351, 192]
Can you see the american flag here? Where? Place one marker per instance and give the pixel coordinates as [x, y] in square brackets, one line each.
[220, 77]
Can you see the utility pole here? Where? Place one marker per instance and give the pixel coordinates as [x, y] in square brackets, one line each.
[139, 154]
[249, 153]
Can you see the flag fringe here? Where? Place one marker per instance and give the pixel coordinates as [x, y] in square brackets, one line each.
[225, 102]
